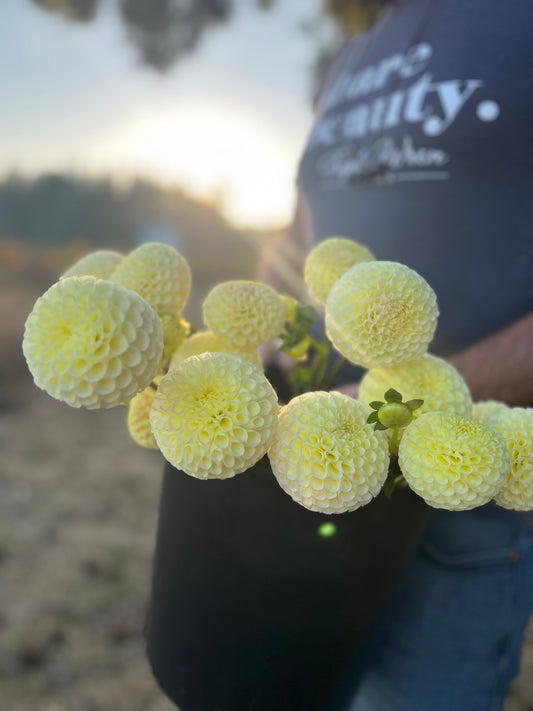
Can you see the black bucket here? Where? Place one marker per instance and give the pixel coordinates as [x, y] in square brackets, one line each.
[252, 609]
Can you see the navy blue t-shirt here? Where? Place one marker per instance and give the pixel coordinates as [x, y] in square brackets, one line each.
[422, 150]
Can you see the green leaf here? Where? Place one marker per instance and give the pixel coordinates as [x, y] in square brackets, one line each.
[305, 317]
[373, 417]
[376, 404]
[393, 395]
[414, 404]
[379, 426]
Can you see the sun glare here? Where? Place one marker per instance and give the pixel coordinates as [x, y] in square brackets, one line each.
[212, 152]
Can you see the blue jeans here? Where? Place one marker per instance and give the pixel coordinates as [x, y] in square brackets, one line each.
[451, 637]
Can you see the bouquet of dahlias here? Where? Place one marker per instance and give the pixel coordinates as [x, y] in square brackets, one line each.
[259, 603]
[111, 332]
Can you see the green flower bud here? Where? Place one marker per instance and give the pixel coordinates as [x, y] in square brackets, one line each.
[395, 415]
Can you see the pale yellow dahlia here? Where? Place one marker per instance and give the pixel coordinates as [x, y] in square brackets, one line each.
[244, 313]
[159, 274]
[207, 342]
[515, 426]
[291, 307]
[214, 415]
[328, 261]
[381, 314]
[325, 455]
[92, 343]
[99, 264]
[428, 378]
[483, 409]
[451, 462]
[139, 416]
[175, 329]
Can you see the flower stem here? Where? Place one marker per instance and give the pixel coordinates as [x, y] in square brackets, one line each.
[334, 372]
[393, 444]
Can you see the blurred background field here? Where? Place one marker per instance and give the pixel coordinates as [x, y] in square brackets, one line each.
[122, 126]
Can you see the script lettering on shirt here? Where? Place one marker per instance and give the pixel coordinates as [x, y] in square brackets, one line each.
[347, 162]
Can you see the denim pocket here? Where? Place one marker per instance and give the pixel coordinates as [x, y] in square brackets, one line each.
[471, 538]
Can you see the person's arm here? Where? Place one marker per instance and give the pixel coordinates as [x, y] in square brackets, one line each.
[500, 366]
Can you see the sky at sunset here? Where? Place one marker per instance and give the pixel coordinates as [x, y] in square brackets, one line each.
[231, 118]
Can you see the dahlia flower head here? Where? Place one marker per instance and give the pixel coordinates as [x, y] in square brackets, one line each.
[159, 274]
[325, 455]
[428, 378]
[207, 342]
[381, 314]
[91, 343]
[291, 307]
[328, 261]
[243, 313]
[138, 420]
[483, 409]
[452, 462]
[214, 415]
[100, 264]
[515, 426]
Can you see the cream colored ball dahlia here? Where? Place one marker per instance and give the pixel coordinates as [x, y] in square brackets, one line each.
[483, 409]
[245, 314]
[99, 264]
[214, 415]
[207, 342]
[138, 420]
[325, 455]
[452, 462]
[381, 314]
[159, 274]
[515, 426]
[92, 343]
[328, 261]
[291, 307]
[427, 378]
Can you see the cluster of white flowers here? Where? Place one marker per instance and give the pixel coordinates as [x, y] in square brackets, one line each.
[111, 331]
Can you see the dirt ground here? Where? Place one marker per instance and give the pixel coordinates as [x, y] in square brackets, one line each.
[78, 514]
